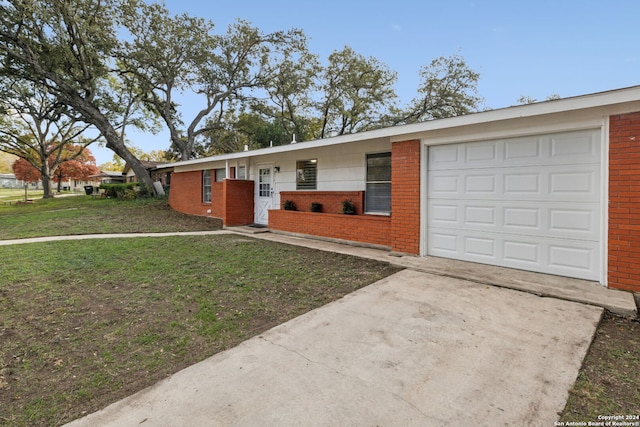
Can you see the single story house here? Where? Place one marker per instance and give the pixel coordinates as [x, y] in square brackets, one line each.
[551, 187]
[109, 177]
[161, 175]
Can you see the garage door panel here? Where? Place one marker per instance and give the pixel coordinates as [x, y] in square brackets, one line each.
[520, 150]
[576, 148]
[480, 184]
[579, 222]
[553, 182]
[545, 255]
[530, 203]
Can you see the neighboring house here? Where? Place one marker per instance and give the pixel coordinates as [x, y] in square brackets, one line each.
[109, 177]
[10, 181]
[156, 174]
[551, 187]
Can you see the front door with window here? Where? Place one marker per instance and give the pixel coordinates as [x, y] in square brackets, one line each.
[264, 192]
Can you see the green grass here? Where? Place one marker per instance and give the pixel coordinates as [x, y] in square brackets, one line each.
[86, 215]
[86, 323]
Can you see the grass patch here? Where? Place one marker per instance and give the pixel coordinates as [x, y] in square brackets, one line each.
[608, 382]
[86, 215]
[85, 323]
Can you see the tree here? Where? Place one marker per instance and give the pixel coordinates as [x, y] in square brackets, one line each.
[250, 129]
[356, 93]
[36, 127]
[289, 108]
[79, 166]
[71, 47]
[75, 162]
[448, 88]
[24, 171]
[529, 100]
[168, 56]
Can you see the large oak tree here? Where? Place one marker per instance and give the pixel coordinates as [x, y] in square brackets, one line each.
[71, 48]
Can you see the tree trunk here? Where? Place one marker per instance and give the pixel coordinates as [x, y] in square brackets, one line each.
[115, 142]
[46, 184]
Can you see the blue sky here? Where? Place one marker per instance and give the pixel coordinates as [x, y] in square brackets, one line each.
[520, 48]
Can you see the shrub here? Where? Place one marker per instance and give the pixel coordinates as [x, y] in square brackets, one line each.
[289, 205]
[348, 208]
[126, 190]
[315, 207]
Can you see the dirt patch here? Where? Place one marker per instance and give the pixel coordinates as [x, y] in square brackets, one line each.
[608, 383]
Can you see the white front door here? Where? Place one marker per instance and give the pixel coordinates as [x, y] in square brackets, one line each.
[264, 193]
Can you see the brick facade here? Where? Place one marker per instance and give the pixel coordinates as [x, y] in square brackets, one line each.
[231, 200]
[405, 196]
[400, 231]
[185, 194]
[624, 202]
[238, 202]
[372, 229]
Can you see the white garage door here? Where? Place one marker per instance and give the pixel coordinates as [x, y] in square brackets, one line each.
[531, 203]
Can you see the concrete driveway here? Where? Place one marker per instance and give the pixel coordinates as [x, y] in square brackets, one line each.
[415, 349]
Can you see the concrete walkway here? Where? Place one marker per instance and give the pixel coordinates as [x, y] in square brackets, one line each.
[440, 343]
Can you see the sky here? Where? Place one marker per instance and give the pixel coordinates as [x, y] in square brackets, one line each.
[533, 48]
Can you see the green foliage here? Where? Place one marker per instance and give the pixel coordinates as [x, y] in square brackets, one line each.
[289, 205]
[356, 93]
[124, 191]
[315, 207]
[448, 88]
[348, 208]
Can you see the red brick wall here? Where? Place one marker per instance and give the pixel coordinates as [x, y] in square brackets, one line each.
[185, 194]
[217, 200]
[238, 202]
[624, 202]
[231, 200]
[331, 201]
[405, 196]
[358, 228]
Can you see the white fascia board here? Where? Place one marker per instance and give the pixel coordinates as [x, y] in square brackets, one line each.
[618, 97]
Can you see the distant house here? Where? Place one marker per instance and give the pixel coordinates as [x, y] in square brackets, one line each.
[161, 175]
[110, 177]
[551, 187]
[9, 180]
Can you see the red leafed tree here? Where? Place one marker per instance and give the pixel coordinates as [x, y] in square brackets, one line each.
[80, 166]
[23, 171]
[73, 162]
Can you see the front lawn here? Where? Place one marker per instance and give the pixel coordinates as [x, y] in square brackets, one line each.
[86, 323]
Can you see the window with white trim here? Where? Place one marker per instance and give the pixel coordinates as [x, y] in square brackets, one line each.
[377, 198]
[206, 186]
[306, 174]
